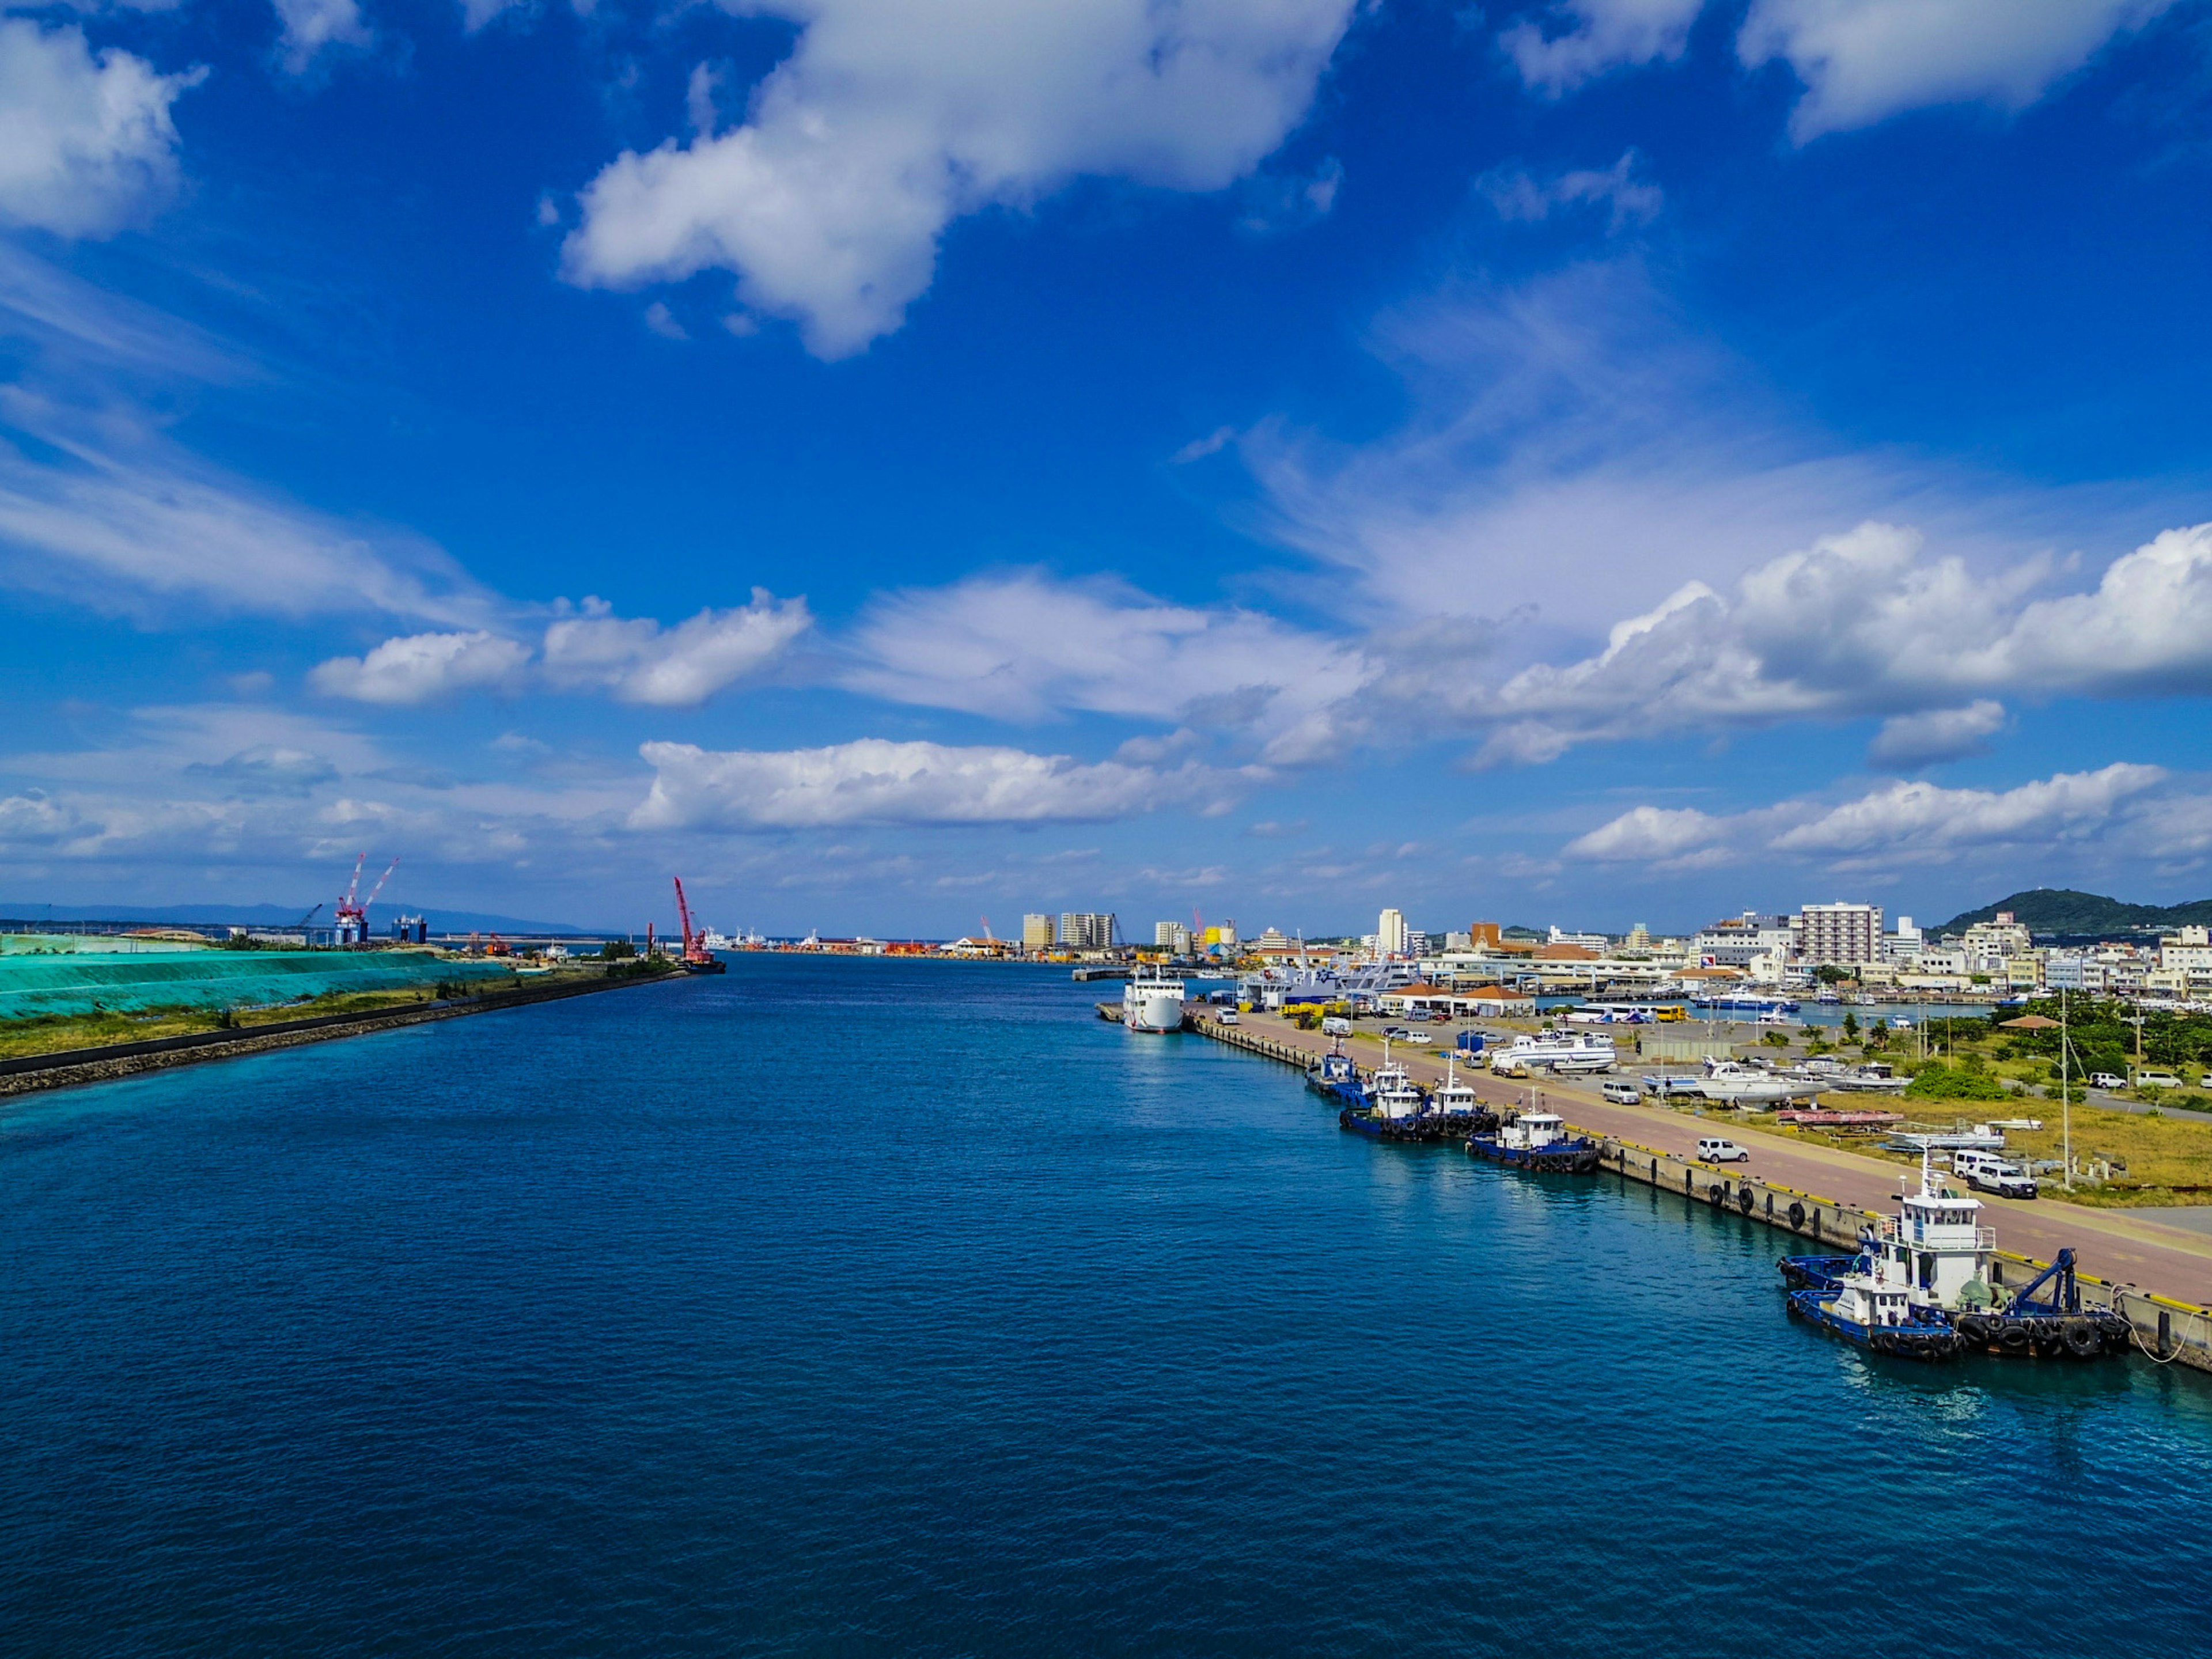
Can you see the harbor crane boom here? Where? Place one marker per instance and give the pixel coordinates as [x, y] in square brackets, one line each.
[378, 888]
[694, 943]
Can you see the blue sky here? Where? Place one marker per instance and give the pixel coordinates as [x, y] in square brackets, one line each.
[899, 463]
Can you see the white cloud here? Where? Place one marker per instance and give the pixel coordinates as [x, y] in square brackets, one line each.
[87, 144]
[1919, 819]
[642, 662]
[1646, 834]
[634, 659]
[311, 26]
[1518, 195]
[1939, 734]
[147, 528]
[1023, 647]
[875, 780]
[423, 666]
[891, 118]
[1862, 61]
[1578, 40]
[2120, 808]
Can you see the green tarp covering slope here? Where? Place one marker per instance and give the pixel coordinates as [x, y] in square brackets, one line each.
[74, 984]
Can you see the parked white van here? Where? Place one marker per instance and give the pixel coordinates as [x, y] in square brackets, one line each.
[1711, 1149]
[1335, 1025]
[2157, 1080]
[1621, 1092]
[2106, 1080]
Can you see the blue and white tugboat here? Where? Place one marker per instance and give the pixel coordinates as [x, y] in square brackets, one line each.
[1935, 1255]
[1539, 1141]
[1334, 1077]
[1394, 1109]
[1457, 1107]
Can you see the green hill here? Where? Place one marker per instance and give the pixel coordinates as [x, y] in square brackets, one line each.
[2063, 910]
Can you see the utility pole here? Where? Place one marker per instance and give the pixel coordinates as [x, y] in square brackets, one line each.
[2065, 1093]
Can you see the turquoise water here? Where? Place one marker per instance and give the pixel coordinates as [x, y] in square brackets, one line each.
[76, 983]
[843, 1307]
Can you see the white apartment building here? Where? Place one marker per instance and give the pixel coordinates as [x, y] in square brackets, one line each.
[1843, 934]
[1086, 930]
[2002, 937]
[1904, 945]
[1390, 934]
[2189, 950]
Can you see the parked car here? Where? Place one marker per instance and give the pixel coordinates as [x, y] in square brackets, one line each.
[1227, 1017]
[1711, 1149]
[2106, 1080]
[1619, 1092]
[2157, 1080]
[1986, 1172]
[1416, 1038]
[1335, 1025]
[1396, 1033]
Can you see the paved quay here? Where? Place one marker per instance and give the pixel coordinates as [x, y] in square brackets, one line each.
[2123, 1246]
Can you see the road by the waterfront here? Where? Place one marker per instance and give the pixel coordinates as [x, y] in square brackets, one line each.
[2124, 1246]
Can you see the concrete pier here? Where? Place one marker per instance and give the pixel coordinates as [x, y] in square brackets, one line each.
[1792, 1192]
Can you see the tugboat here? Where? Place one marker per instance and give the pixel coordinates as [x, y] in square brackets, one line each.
[1932, 1259]
[1538, 1142]
[1393, 1108]
[1334, 1077]
[1861, 1307]
[1460, 1107]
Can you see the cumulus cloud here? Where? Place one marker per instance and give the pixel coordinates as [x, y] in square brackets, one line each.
[640, 661]
[1940, 734]
[892, 118]
[87, 144]
[634, 659]
[1920, 819]
[420, 667]
[1907, 823]
[875, 780]
[1862, 61]
[1023, 647]
[1646, 834]
[1577, 41]
[1519, 195]
[1861, 624]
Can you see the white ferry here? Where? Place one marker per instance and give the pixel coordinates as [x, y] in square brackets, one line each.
[1555, 1051]
[1152, 1001]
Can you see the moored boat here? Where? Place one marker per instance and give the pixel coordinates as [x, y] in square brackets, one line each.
[1539, 1141]
[1152, 1001]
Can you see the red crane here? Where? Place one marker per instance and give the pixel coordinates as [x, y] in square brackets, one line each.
[695, 953]
[352, 918]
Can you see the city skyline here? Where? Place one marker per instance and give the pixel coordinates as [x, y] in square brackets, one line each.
[1553, 462]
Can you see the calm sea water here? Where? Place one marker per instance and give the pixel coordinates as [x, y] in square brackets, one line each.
[855, 1308]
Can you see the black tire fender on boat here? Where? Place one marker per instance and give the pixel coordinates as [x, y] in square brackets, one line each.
[1796, 1217]
[2083, 1340]
[2014, 1340]
[1975, 1329]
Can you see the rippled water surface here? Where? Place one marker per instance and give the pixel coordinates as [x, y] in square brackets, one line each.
[859, 1307]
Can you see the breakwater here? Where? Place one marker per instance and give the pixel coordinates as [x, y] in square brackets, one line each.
[70, 1068]
[2167, 1329]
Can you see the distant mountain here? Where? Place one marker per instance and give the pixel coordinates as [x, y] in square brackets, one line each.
[277, 916]
[2063, 910]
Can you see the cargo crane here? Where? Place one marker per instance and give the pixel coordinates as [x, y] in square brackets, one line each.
[352, 920]
[697, 959]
